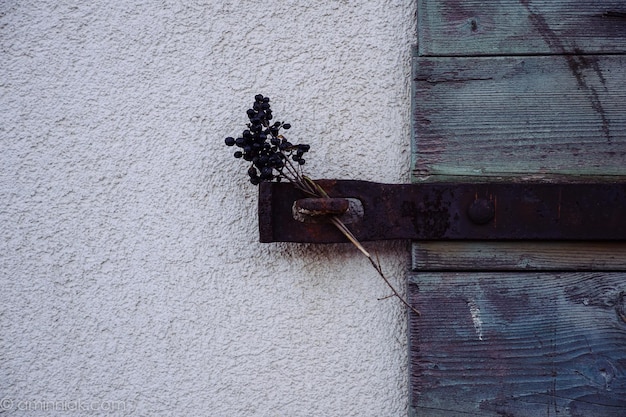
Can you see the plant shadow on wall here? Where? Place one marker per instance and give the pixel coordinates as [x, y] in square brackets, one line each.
[271, 157]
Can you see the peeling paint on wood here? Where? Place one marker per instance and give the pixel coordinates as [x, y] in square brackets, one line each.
[520, 116]
[519, 256]
[509, 27]
[505, 344]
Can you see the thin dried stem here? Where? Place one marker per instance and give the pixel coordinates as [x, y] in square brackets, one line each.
[395, 292]
[311, 187]
[347, 233]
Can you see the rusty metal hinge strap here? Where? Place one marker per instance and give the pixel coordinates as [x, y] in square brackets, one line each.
[450, 211]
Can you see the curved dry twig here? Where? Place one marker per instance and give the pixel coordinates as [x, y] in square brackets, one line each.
[313, 188]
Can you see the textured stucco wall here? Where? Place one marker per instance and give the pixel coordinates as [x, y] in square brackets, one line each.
[131, 275]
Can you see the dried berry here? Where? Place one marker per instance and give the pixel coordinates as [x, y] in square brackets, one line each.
[263, 145]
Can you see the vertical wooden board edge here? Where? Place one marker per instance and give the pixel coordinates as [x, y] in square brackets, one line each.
[420, 17]
[411, 294]
[414, 98]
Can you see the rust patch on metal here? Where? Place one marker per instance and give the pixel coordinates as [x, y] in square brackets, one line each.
[322, 206]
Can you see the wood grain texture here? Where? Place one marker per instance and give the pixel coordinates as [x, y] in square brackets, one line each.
[520, 256]
[510, 27]
[513, 344]
[520, 116]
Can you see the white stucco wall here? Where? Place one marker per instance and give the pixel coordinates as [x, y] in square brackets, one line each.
[131, 274]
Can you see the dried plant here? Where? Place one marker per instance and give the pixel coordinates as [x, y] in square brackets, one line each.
[273, 158]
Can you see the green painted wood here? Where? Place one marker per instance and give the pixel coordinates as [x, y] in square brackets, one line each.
[528, 117]
[519, 256]
[518, 345]
[510, 27]
[526, 90]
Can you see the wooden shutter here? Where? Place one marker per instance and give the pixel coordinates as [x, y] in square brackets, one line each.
[524, 91]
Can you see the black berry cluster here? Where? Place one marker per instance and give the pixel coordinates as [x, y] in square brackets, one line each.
[262, 144]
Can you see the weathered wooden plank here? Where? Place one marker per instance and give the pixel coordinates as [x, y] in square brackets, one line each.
[522, 256]
[518, 344]
[520, 116]
[510, 27]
